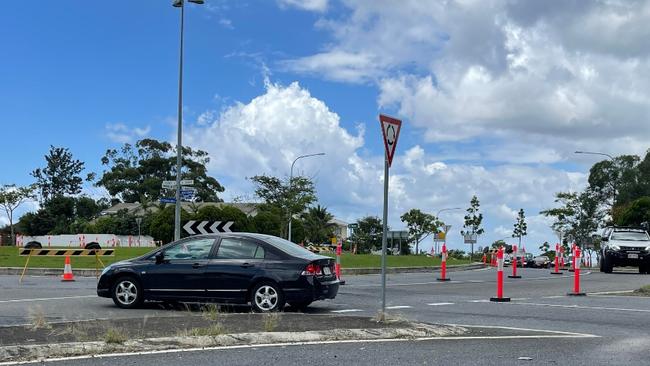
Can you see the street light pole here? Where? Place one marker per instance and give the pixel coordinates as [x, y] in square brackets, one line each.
[291, 185]
[179, 144]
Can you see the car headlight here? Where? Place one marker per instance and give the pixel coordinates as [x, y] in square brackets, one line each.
[614, 247]
[647, 249]
[106, 269]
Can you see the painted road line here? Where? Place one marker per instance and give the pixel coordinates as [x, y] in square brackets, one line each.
[47, 299]
[583, 307]
[398, 307]
[520, 299]
[484, 300]
[548, 335]
[610, 292]
[440, 303]
[346, 311]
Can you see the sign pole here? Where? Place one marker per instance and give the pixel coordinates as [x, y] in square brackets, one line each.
[383, 242]
[390, 131]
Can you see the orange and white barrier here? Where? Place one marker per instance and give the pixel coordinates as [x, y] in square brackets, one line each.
[576, 275]
[443, 264]
[499, 297]
[514, 264]
[558, 254]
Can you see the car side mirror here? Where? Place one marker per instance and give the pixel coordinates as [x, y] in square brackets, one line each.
[160, 257]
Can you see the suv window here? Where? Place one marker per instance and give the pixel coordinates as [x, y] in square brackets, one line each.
[236, 248]
[190, 249]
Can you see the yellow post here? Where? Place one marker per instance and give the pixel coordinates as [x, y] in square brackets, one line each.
[97, 260]
[26, 264]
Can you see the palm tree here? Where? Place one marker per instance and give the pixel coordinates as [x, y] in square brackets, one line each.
[318, 228]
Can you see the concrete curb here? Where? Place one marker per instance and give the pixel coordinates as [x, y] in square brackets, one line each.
[344, 271]
[10, 354]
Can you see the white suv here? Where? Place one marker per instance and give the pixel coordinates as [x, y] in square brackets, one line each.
[623, 246]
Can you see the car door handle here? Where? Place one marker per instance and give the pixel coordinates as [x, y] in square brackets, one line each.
[246, 265]
[197, 265]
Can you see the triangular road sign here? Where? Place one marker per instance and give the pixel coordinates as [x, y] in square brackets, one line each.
[390, 130]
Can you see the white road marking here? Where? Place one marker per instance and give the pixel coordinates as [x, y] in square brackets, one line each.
[610, 292]
[346, 311]
[440, 303]
[583, 307]
[398, 307]
[520, 298]
[554, 334]
[48, 298]
[484, 300]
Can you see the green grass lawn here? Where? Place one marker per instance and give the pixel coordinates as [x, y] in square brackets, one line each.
[9, 258]
[370, 261]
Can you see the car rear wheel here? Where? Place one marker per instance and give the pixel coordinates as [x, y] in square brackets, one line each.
[127, 293]
[267, 297]
[643, 269]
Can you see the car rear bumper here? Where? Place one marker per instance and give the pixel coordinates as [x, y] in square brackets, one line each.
[315, 291]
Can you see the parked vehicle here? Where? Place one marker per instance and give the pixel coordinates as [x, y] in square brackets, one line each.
[625, 246]
[541, 261]
[263, 270]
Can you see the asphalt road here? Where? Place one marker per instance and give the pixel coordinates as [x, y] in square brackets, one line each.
[539, 301]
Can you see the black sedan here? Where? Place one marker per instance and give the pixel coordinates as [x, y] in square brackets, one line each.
[227, 268]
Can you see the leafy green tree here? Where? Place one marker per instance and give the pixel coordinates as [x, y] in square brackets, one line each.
[12, 197]
[60, 176]
[288, 198]
[420, 225]
[544, 247]
[576, 217]
[161, 226]
[267, 222]
[635, 213]
[135, 173]
[520, 227]
[368, 234]
[241, 223]
[473, 220]
[317, 225]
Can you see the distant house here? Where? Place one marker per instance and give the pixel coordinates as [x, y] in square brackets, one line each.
[250, 209]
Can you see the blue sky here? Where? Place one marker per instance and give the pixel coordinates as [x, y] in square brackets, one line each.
[495, 97]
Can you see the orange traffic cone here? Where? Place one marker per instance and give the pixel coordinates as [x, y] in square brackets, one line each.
[67, 270]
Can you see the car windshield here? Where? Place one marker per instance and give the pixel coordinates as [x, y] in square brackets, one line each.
[288, 247]
[629, 236]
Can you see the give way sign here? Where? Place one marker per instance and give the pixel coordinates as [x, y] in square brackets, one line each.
[390, 130]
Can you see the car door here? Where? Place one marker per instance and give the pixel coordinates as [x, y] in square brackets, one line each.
[237, 262]
[182, 273]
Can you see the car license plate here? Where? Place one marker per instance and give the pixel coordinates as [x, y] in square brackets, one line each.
[633, 256]
[327, 271]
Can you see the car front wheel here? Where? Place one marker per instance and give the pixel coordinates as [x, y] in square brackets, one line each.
[608, 267]
[127, 293]
[267, 297]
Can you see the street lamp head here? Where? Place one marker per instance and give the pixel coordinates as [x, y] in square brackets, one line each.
[179, 3]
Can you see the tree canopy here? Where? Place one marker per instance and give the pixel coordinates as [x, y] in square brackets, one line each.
[135, 173]
[60, 176]
[420, 225]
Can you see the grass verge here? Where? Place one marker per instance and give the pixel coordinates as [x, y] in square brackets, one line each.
[9, 258]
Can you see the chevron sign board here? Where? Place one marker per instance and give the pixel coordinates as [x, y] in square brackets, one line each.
[207, 227]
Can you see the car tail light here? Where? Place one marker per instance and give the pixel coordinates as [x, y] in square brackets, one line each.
[312, 269]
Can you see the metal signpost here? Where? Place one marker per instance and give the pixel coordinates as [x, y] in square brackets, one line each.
[471, 239]
[390, 131]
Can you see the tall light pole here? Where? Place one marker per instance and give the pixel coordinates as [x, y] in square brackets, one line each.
[179, 144]
[291, 185]
[438, 214]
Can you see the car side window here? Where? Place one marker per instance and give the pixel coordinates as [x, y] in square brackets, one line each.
[236, 248]
[190, 249]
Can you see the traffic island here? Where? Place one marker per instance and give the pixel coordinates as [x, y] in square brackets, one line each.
[211, 329]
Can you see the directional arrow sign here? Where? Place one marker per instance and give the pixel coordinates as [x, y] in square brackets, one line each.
[390, 130]
[201, 226]
[169, 184]
[207, 227]
[187, 182]
[188, 227]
